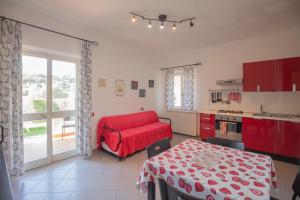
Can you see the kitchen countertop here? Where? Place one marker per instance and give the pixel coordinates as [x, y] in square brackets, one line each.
[250, 115]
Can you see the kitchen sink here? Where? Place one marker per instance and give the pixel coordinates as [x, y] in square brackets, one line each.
[276, 115]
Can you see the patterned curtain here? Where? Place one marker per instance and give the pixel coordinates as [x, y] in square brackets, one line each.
[188, 88]
[169, 84]
[85, 101]
[11, 95]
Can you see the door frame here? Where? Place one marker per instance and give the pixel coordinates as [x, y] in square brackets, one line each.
[49, 115]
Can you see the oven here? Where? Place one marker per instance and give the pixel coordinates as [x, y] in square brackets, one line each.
[228, 127]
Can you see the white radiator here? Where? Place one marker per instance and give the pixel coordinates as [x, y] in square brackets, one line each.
[184, 122]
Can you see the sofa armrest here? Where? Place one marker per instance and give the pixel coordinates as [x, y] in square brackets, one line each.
[115, 130]
[170, 121]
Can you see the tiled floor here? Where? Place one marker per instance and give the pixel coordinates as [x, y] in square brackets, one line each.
[104, 177]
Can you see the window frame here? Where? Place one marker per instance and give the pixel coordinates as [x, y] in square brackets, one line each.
[49, 115]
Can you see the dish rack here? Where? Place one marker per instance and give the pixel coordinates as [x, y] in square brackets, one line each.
[225, 96]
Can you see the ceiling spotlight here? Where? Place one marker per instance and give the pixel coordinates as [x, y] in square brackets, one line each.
[149, 25]
[162, 25]
[191, 23]
[133, 19]
[174, 26]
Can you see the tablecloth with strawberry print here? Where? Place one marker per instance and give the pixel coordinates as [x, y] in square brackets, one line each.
[233, 174]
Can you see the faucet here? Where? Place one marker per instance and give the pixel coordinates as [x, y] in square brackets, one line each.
[261, 109]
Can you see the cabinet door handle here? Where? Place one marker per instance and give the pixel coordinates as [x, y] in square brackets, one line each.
[205, 118]
[294, 89]
[206, 128]
[258, 88]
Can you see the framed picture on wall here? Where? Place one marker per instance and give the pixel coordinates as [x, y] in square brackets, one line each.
[134, 85]
[120, 87]
[142, 93]
[151, 83]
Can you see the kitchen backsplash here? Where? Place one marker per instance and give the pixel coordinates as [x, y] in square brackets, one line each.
[276, 102]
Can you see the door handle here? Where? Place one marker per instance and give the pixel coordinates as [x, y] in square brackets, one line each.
[294, 87]
[258, 88]
[2, 134]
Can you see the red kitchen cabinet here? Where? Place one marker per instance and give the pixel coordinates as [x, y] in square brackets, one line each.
[272, 136]
[290, 74]
[288, 139]
[259, 134]
[207, 125]
[272, 75]
[259, 76]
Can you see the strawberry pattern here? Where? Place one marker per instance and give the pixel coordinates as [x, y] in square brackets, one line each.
[236, 174]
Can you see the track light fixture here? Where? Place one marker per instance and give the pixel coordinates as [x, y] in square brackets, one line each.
[163, 20]
[133, 18]
[162, 25]
[191, 23]
[174, 26]
[149, 25]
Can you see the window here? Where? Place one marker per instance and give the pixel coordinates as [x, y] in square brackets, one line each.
[178, 87]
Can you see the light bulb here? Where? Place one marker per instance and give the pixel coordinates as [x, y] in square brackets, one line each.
[149, 25]
[174, 26]
[133, 19]
[162, 25]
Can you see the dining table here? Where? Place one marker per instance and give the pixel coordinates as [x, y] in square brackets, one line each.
[209, 171]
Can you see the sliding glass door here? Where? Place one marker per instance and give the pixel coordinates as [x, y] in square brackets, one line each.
[49, 105]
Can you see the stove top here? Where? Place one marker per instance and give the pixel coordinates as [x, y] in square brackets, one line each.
[231, 111]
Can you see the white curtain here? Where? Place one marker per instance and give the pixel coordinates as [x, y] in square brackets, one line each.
[188, 88]
[11, 95]
[85, 101]
[169, 88]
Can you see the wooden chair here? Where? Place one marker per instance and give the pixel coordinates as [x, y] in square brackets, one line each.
[296, 186]
[167, 192]
[158, 147]
[153, 150]
[227, 143]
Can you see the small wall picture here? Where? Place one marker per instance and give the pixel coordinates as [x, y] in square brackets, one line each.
[120, 87]
[134, 85]
[101, 82]
[142, 93]
[151, 83]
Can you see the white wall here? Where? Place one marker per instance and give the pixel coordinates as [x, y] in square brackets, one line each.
[225, 62]
[112, 59]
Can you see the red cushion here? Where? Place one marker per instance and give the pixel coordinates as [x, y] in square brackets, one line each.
[137, 138]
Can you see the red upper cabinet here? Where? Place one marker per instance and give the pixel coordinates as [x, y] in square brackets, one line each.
[290, 74]
[259, 134]
[259, 76]
[207, 125]
[272, 75]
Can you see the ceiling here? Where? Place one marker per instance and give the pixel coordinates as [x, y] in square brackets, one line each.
[218, 21]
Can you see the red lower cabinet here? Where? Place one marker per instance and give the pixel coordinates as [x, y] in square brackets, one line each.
[288, 139]
[259, 134]
[207, 125]
[272, 136]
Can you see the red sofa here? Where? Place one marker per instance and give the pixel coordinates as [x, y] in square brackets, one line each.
[123, 135]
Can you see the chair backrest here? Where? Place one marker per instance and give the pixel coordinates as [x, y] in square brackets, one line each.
[158, 147]
[296, 185]
[167, 192]
[227, 143]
